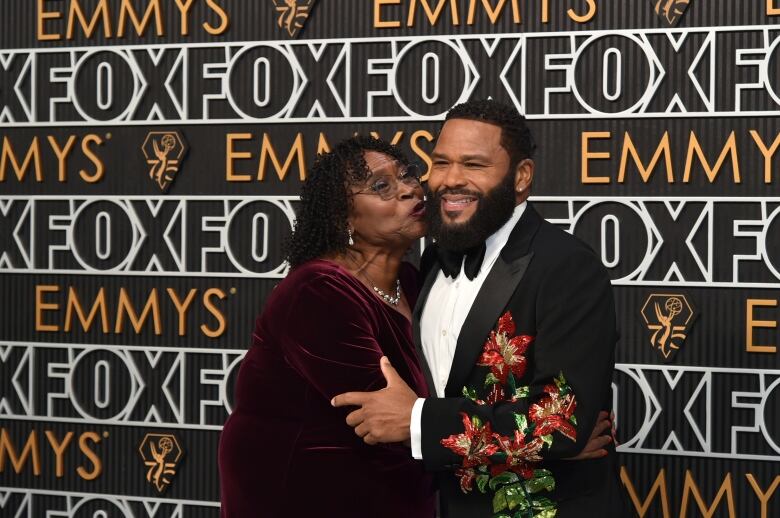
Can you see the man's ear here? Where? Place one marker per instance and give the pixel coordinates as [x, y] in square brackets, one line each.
[524, 176]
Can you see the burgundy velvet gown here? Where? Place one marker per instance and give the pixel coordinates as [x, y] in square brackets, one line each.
[285, 451]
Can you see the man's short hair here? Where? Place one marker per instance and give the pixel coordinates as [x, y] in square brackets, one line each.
[516, 138]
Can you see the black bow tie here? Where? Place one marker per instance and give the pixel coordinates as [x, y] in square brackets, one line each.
[451, 261]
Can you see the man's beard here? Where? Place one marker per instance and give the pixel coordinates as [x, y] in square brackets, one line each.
[493, 210]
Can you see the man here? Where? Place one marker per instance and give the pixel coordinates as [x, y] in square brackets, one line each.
[516, 325]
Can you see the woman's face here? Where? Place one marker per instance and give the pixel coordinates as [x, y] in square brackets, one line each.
[386, 212]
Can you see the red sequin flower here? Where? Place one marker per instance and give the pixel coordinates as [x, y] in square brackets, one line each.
[505, 353]
[475, 444]
[555, 411]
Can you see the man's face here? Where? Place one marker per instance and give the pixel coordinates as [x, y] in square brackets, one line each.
[468, 162]
[472, 188]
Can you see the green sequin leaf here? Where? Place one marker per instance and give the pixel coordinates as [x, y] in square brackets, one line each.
[516, 497]
[539, 484]
[573, 419]
[499, 500]
[482, 482]
[491, 379]
[522, 392]
[521, 421]
[542, 503]
[470, 393]
[547, 439]
[507, 477]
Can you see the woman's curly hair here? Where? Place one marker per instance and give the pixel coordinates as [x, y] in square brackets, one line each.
[321, 220]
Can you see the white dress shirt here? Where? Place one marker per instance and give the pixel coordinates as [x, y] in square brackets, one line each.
[446, 308]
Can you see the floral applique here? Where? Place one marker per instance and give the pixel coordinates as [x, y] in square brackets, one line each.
[505, 465]
[555, 411]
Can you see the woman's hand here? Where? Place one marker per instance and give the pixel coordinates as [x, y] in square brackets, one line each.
[597, 442]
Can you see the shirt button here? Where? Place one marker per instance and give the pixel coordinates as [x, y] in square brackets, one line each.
[444, 332]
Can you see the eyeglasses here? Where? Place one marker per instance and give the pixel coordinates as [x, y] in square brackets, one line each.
[386, 186]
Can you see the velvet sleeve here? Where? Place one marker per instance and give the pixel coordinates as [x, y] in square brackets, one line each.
[328, 337]
[551, 417]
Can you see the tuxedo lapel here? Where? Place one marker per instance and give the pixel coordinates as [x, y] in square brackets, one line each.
[493, 297]
[416, 316]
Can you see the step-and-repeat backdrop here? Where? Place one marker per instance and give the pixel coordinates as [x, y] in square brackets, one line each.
[151, 152]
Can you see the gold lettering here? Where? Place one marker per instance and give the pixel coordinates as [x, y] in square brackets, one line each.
[588, 155]
[645, 172]
[231, 154]
[89, 153]
[771, 9]
[41, 306]
[494, 13]
[181, 307]
[267, 151]
[97, 465]
[211, 308]
[126, 308]
[416, 136]
[752, 324]
[88, 27]
[59, 450]
[433, 15]
[659, 486]
[768, 153]
[184, 8]
[224, 20]
[763, 497]
[322, 144]
[73, 305]
[585, 17]
[18, 461]
[126, 10]
[33, 156]
[42, 17]
[545, 11]
[62, 155]
[730, 148]
[690, 488]
[379, 23]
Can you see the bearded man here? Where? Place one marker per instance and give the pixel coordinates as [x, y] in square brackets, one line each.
[515, 327]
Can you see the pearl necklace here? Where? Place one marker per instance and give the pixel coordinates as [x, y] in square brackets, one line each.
[387, 298]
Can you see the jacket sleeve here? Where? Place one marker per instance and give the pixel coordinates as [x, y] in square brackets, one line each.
[500, 426]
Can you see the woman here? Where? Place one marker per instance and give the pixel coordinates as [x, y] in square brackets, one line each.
[285, 451]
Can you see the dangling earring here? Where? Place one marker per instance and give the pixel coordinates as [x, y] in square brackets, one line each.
[351, 241]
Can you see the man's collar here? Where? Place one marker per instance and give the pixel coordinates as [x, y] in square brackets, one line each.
[499, 238]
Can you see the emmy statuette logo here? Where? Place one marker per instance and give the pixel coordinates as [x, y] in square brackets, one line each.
[668, 318]
[161, 454]
[164, 152]
[671, 10]
[292, 14]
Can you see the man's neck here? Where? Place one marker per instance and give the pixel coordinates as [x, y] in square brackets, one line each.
[500, 236]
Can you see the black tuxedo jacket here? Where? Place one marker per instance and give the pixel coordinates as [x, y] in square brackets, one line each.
[532, 369]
